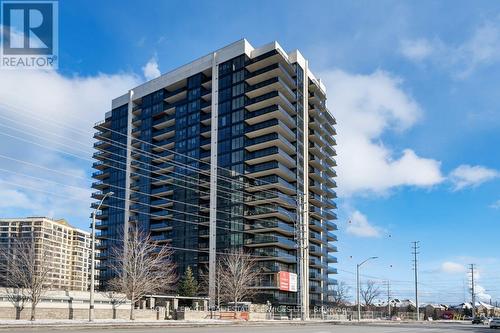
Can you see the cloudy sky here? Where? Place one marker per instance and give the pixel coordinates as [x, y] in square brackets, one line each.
[414, 90]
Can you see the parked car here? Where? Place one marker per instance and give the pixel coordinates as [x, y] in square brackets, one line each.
[479, 320]
[495, 322]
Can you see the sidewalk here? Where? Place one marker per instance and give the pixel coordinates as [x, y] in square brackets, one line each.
[45, 323]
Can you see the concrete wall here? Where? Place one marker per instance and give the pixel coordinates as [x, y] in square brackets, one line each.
[82, 314]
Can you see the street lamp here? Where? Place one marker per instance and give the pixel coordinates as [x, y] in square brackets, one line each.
[358, 286]
[92, 258]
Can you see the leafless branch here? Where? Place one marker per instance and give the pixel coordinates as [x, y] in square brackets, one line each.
[142, 267]
[238, 274]
[341, 294]
[26, 267]
[369, 292]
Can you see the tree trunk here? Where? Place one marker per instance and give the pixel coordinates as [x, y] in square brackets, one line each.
[132, 309]
[235, 308]
[33, 311]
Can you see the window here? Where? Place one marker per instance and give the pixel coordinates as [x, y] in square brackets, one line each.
[237, 143]
[193, 94]
[225, 107]
[238, 102]
[237, 116]
[195, 105]
[194, 118]
[237, 156]
[224, 120]
[225, 94]
[238, 89]
[237, 129]
[238, 76]
[225, 81]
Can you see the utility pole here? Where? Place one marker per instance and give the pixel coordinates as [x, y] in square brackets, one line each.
[92, 259]
[415, 267]
[358, 285]
[473, 293]
[389, 298]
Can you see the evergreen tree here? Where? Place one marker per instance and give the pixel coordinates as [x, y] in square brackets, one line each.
[188, 285]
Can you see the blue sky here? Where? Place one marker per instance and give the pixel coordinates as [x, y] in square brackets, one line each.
[414, 89]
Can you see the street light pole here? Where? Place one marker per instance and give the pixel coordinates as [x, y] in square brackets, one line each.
[92, 259]
[358, 284]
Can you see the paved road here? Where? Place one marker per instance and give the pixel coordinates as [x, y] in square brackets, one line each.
[373, 328]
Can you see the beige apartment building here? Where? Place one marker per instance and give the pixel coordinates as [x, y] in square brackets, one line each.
[68, 246]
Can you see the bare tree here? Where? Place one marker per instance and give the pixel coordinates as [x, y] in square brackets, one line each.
[26, 267]
[341, 293]
[142, 267]
[238, 275]
[369, 292]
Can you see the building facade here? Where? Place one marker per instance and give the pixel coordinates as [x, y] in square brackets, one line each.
[68, 248]
[233, 150]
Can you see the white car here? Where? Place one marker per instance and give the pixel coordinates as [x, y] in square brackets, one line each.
[495, 322]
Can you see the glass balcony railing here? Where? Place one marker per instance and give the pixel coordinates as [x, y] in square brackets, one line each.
[270, 239]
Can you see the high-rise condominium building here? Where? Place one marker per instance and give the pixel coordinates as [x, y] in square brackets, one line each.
[65, 249]
[233, 150]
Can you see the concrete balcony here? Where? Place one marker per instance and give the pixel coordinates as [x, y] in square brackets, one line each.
[272, 98]
[270, 210]
[176, 96]
[168, 143]
[268, 127]
[164, 121]
[273, 66]
[272, 112]
[274, 254]
[331, 259]
[100, 174]
[100, 185]
[270, 140]
[164, 133]
[164, 189]
[270, 240]
[270, 85]
[272, 182]
[330, 225]
[269, 226]
[272, 196]
[271, 168]
[268, 155]
[162, 226]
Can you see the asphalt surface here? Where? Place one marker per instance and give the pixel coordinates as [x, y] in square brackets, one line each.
[276, 328]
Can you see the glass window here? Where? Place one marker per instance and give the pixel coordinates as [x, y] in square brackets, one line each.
[237, 129]
[238, 76]
[237, 156]
[238, 102]
[237, 143]
[225, 107]
[238, 89]
[237, 116]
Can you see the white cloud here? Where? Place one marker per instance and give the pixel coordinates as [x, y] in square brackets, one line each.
[482, 48]
[366, 107]
[450, 267]
[359, 226]
[470, 176]
[496, 204]
[417, 49]
[74, 102]
[151, 69]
